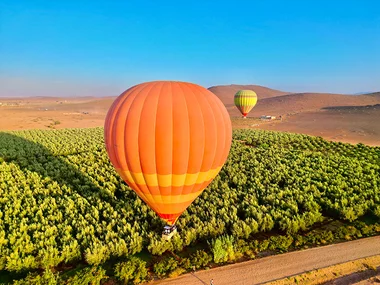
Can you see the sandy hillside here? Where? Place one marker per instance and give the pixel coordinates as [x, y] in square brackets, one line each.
[226, 92]
[345, 124]
[337, 117]
[301, 102]
[304, 102]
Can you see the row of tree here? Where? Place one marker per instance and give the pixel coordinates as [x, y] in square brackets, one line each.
[221, 250]
[61, 200]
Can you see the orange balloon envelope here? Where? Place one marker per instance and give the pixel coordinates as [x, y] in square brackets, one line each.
[168, 140]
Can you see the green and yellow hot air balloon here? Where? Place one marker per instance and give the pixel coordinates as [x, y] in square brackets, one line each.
[245, 100]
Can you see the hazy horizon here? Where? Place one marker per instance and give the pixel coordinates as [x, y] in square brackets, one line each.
[77, 90]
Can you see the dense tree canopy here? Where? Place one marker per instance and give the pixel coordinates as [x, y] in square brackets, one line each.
[62, 201]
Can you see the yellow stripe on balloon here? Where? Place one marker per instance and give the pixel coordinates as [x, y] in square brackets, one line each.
[166, 180]
[173, 199]
[170, 208]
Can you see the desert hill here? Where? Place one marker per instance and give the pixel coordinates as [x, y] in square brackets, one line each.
[375, 94]
[338, 117]
[226, 92]
[349, 118]
[306, 102]
[275, 102]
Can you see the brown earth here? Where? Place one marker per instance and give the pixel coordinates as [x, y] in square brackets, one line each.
[52, 112]
[352, 125]
[305, 102]
[337, 117]
[360, 271]
[281, 266]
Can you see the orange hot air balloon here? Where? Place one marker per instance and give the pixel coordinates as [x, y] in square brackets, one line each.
[168, 140]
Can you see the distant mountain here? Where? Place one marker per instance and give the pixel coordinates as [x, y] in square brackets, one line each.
[304, 102]
[270, 101]
[363, 93]
[374, 94]
[275, 102]
[226, 92]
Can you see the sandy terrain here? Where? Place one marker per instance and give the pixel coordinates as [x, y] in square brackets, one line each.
[352, 125]
[281, 266]
[49, 112]
[337, 117]
[359, 271]
[357, 278]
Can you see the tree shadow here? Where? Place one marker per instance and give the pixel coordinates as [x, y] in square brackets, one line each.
[31, 165]
[356, 277]
[55, 164]
[30, 156]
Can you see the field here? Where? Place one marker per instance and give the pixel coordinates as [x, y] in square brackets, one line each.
[52, 112]
[66, 217]
[335, 117]
[234, 182]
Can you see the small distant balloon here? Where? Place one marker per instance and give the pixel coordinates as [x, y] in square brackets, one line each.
[245, 100]
[168, 140]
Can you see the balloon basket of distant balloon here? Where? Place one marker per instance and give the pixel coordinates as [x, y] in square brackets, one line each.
[169, 232]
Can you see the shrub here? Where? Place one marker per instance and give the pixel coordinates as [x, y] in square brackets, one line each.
[133, 270]
[176, 272]
[223, 249]
[89, 275]
[281, 243]
[97, 255]
[47, 278]
[259, 246]
[200, 259]
[165, 266]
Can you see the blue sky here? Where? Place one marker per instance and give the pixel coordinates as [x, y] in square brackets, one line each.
[101, 48]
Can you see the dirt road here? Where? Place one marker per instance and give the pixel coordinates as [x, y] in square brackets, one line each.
[280, 266]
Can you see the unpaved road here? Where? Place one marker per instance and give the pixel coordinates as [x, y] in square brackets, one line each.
[280, 266]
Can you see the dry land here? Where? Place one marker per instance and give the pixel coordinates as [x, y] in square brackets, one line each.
[276, 267]
[335, 117]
